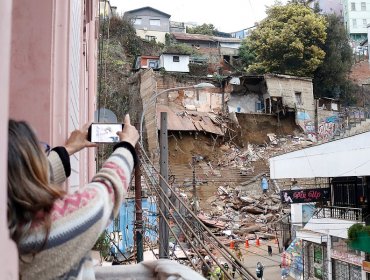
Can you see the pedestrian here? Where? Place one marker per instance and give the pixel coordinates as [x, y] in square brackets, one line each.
[233, 270]
[269, 250]
[55, 230]
[264, 184]
[206, 268]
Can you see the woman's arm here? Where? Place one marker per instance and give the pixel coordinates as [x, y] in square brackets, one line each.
[59, 165]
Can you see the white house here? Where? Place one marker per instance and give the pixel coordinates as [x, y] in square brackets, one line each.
[174, 62]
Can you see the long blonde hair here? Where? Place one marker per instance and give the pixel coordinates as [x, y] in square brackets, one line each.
[30, 196]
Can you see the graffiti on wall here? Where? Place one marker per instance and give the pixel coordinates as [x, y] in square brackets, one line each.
[327, 126]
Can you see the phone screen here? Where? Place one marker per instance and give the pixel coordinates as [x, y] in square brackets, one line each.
[104, 132]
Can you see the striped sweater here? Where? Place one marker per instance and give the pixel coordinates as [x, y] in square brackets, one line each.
[77, 220]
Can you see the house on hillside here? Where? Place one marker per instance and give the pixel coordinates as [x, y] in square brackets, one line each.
[242, 34]
[217, 52]
[150, 24]
[356, 16]
[271, 94]
[174, 62]
[284, 96]
[146, 61]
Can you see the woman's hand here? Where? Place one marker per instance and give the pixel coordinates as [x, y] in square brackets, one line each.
[129, 133]
[78, 140]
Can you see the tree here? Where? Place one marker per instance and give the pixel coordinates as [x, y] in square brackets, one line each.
[205, 29]
[246, 55]
[331, 77]
[288, 41]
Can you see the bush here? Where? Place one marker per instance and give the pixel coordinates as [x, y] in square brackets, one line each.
[354, 230]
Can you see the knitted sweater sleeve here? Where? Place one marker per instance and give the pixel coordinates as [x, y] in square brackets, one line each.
[78, 220]
[59, 165]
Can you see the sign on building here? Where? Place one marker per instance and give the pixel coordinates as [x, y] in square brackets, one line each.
[305, 196]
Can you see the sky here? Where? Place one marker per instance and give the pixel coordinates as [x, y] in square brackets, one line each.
[225, 16]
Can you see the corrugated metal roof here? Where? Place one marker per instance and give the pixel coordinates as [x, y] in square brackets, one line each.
[194, 37]
[227, 40]
[147, 8]
[181, 120]
[201, 37]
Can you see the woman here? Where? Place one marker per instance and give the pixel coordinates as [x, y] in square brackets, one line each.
[54, 230]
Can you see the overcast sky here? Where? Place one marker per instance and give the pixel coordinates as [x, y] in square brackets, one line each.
[226, 16]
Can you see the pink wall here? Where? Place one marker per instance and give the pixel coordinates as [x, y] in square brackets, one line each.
[38, 55]
[8, 257]
[31, 58]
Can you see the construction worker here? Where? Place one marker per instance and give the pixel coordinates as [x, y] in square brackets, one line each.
[218, 274]
[239, 254]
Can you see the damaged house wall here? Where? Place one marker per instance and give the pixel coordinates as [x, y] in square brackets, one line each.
[198, 100]
[295, 93]
[148, 87]
[202, 101]
[248, 96]
[244, 103]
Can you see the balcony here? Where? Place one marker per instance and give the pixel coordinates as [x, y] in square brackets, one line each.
[341, 213]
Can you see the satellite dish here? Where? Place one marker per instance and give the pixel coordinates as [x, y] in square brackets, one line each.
[104, 116]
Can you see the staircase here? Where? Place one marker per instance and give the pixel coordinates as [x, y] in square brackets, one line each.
[352, 123]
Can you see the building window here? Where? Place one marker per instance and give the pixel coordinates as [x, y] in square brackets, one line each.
[298, 97]
[155, 22]
[354, 23]
[150, 38]
[137, 21]
[364, 23]
[353, 6]
[363, 6]
[176, 58]
[153, 64]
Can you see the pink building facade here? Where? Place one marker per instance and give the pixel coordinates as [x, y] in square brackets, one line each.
[47, 77]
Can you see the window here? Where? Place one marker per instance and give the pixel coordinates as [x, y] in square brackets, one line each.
[176, 58]
[364, 22]
[153, 64]
[137, 21]
[363, 6]
[354, 23]
[353, 6]
[298, 97]
[155, 22]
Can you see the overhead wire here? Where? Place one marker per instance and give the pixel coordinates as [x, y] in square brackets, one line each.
[240, 265]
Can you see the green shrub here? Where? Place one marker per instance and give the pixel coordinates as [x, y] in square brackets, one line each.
[355, 229]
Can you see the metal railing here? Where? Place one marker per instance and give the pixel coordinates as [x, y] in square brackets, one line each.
[199, 238]
[341, 213]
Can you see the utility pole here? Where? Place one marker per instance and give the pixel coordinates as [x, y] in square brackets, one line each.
[317, 119]
[139, 212]
[195, 199]
[163, 202]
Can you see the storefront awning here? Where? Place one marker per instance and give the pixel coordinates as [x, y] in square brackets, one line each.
[328, 226]
[311, 236]
[345, 157]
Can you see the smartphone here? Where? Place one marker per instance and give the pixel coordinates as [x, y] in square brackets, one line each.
[104, 132]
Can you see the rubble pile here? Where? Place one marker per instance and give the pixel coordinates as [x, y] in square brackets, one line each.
[243, 216]
[244, 158]
[240, 210]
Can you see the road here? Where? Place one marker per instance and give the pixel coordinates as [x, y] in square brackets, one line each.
[254, 254]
